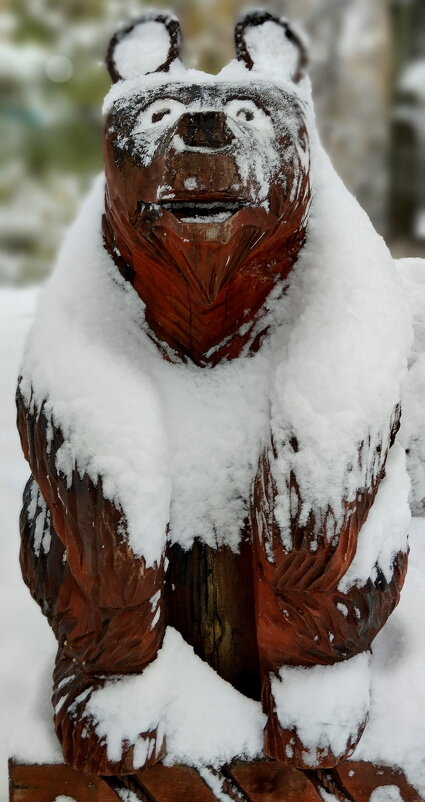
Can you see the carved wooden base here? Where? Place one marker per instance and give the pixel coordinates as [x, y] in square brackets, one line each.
[259, 781]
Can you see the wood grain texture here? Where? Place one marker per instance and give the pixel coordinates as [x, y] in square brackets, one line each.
[201, 282]
[263, 781]
[359, 779]
[255, 781]
[210, 601]
[174, 784]
[44, 783]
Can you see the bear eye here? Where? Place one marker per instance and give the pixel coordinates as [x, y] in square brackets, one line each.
[246, 114]
[158, 115]
[243, 110]
[162, 112]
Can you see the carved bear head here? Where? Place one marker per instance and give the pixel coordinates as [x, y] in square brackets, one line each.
[207, 178]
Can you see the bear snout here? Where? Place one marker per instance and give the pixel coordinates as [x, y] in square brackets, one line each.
[204, 129]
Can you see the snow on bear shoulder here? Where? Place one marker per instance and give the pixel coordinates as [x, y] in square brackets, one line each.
[331, 369]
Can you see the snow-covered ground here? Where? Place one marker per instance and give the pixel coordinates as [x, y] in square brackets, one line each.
[26, 641]
[396, 730]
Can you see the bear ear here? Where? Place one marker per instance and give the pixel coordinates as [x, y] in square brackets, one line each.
[263, 40]
[149, 44]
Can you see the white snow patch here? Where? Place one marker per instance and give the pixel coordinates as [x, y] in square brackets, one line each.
[142, 50]
[233, 73]
[205, 720]
[213, 782]
[385, 532]
[112, 404]
[412, 433]
[181, 441]
[386, 793]
[126, 795]
[190, 183]
[270, 49]
[326, 796]
[63, 798]
[324, 704]
[344, 306]
[395, 732]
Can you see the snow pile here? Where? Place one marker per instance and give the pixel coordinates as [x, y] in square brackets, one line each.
[39, 511]
[27, 643]
[325, 705]
[343, 354]
[181, 443]
[162, 437]
[412, 273]
[106, 409]
[217, 421]
[387, 793]
[385, 532]
[395, 732]
[204, 719]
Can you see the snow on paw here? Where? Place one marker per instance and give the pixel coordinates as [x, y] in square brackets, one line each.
[85, 747]
[316, 716]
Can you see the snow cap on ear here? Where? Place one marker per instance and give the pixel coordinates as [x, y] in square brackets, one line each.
[264, 41]
[149, 44]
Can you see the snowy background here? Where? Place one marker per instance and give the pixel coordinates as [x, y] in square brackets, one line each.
[367, 66]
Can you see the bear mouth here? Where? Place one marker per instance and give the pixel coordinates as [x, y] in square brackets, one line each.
[201, 212]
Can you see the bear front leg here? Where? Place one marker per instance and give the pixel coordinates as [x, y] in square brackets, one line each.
[314, 638]
[96, 643]
[103, 602]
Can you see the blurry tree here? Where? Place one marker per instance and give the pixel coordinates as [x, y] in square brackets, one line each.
[52, 83]
[407, 208]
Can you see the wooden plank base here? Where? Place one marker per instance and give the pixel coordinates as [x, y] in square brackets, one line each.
[359, 779]
[267, 781]
[258, 781]
[172, 784]
[46, 783]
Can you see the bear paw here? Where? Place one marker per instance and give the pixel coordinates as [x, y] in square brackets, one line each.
[84, 747]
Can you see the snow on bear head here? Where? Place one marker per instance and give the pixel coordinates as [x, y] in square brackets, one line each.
[208, 176]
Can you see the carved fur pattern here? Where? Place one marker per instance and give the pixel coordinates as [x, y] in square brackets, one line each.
[96, 594]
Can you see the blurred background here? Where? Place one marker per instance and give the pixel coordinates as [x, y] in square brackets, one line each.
[368, 72]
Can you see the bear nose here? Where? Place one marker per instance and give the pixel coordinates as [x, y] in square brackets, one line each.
[204, 129]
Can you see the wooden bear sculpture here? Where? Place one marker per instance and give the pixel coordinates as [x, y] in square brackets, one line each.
[209, 403]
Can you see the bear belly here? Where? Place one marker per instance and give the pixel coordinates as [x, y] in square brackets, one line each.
[210, 601]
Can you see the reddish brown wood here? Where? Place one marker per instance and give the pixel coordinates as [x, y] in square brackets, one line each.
[257, 781]
[359, 779]
[201, 282]
[263, 781]
[210, 601]
[96, 596]
[174, 784]
[29, 783]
